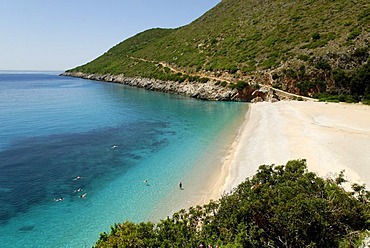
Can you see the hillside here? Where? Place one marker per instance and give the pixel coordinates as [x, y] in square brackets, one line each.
[304, 47]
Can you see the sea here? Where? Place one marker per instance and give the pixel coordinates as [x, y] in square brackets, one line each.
[78, 156]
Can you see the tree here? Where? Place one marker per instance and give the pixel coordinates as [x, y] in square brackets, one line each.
[280, 206]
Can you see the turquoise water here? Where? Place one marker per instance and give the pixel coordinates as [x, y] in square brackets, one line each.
[63, 137]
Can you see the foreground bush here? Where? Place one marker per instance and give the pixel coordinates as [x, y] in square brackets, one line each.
[280, 206]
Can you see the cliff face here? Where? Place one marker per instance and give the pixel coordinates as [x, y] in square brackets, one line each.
[204, 91]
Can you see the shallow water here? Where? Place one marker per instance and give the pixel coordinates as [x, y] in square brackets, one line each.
[64, 137]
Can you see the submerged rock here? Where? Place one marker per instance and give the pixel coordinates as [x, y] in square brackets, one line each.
[26, 228]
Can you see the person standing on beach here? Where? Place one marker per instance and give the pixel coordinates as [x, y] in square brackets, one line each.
[180, 185]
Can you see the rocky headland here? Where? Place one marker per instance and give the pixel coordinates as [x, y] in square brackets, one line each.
[204, 91]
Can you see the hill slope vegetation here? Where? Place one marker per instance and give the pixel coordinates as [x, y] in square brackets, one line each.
[304, 47]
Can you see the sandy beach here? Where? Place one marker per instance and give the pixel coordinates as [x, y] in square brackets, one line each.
[330, 136]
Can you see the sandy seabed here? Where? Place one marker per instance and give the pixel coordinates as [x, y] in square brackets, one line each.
[331, 136]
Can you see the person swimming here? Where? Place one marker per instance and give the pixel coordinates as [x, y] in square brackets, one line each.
[77, 178]
[83, 196]
[78, 190]
[58, 199]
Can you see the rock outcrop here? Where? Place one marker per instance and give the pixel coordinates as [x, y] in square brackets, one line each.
[204, 91]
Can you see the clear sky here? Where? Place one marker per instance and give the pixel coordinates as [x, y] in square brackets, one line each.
[59, 35]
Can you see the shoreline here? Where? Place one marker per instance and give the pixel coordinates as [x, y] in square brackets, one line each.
[202, 181]
[203, 91]
[332, 137]
[218, 188]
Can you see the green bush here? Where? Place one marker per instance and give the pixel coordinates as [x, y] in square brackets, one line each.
[275, 76]
[326, 97]
[342, 98]
[304, 57]
[280, 206]
[354, 33]
[241, 85]
[277, 86]
[203, 80]
[360, 82]
[323, 65]
[316, 36]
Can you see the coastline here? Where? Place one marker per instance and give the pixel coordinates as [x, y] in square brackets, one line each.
[331, 136]
[203, 91]
[223, 177]
[207, 174]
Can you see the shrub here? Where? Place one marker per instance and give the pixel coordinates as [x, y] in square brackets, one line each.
[203, 80]
[342, 98]
[277, 86]
[341, 78]
[304, 57]
[354, 33]
[241, 85]
[362, 53]
[280, 206]
[257, 86]
[275, 76]
[360, 82]
[316, 36]
[323, 65]
[270, 62]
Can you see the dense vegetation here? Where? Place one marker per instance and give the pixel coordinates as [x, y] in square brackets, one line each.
[354, 86]
[304, 47]
[280, 206]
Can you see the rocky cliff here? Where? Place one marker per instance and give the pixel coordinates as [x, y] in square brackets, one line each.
[204, 91]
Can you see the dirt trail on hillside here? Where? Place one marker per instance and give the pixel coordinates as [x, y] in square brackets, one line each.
[175, 70]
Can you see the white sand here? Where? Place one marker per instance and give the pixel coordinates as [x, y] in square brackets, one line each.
[330, 136]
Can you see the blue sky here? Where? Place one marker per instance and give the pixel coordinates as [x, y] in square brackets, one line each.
[59, 35]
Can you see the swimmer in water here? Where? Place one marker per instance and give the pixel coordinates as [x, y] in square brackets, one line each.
[78, 190]
[83, 196]
[58, 199]
[77, 178]
[114, 147]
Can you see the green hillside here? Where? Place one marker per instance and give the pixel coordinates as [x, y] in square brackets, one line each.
[300, 46]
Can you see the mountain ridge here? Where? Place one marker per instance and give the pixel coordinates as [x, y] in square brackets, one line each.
[304, 47]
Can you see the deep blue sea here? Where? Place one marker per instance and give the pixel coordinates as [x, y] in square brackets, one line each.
[74, 155]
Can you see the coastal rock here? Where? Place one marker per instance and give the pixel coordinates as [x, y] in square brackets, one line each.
[257, 99]
[204, 91]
